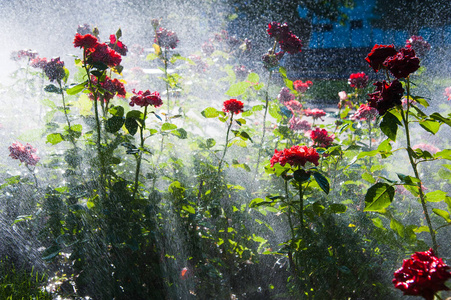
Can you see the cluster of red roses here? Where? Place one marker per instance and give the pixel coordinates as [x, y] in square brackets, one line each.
[97, 53]
[23, 153]
[401, 64]
[358, 80]
[295, 156]
[423, 275]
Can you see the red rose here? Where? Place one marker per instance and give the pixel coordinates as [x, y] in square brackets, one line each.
[54, 69]
[386, 96]
[101, 53]
[166, 38]
[378, 55]
[320, 137]
[85, 41]
[234, 106]
[146, 98]
[295, 156]
[358, 80]
[418, 44]
[403, 63]
[290, 43]
[278, 31]
[423, 275]
[117, 45]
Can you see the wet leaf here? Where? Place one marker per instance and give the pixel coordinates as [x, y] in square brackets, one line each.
[442, 213]
[76, 89]
[54, 138]
[322, 182]
[114, 124]
[389, 125]
[430, 126]
[210, 112]
[379, 197]
[131, 125]
[237, 89]
[338, 208]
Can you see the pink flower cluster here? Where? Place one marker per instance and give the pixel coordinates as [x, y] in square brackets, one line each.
[296, 124]
[21, 54]
[54, 69]
[448, 92]
[95, 52]
[302, 87]
[285, 95]
[146, 98]
[295, 156]
[365, 113]
[315, 113]
[321, 138]
[294, 106]
[23, 153]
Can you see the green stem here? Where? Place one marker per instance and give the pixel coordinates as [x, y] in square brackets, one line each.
[405, 119]
[167, 79]
[301, 209]
[226, 144]
[71, 137]
[138, 159]
[264, 124]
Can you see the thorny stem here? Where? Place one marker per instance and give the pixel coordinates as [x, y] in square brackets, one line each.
[226, 144]
[138, 159]
[405, 119]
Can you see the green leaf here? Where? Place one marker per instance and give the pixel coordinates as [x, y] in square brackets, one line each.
[117, 111]
[322, 182]
[151, 56]
[442, 213]
[397, 227]
[253, 77]
[131, 125]
[210, 142]
[90, 204]
[389, 125]
[258, 107]
[337, 208]
[444, 154]
[409, 180]
[283, 72]
[189, 209]
[180, 133]
[301, 175]
[114, 124]
[22, 218]
[238, 88]
[54, 138]
[439, 117]
[210, 112]
[436, 196]
[52, 89]
[430, 126]
[76, 89]
[135, 114]
[421, 101]
[368, 177]
[379, 197]
[168, 126]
